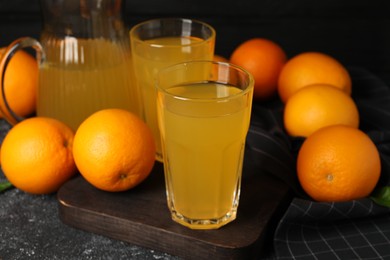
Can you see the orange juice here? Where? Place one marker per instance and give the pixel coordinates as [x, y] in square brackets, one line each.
[152, 55]
[203, 143]
[88, 76]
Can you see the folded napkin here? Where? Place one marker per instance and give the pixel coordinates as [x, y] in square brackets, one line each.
[358, 229]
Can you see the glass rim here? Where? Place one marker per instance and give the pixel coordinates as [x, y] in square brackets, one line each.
[248, 88]
[133, 30]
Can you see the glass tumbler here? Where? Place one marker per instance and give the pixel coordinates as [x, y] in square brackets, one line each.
[159, 43]
[204, 110]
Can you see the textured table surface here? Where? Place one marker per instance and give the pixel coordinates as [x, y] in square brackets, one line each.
[30, 229]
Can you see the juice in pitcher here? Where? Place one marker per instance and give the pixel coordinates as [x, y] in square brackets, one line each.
[86, 76]
[84, 61]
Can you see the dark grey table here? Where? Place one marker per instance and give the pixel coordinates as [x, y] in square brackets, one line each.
[31, 229]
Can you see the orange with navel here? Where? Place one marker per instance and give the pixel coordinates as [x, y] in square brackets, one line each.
[264, 59]
[20, 84]
[317, 106]
[312, 68]
[114, 150]
[338, 163]
[36, 155]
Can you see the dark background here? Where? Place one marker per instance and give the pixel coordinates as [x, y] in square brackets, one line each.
[356, 32]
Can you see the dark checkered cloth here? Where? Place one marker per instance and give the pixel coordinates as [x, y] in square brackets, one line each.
[358, 229]
[350, 230]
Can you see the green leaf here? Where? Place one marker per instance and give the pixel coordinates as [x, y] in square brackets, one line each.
[5, 185]
[382, 196]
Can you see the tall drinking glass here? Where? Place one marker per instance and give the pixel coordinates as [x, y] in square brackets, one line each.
[162, 42]
[204, 112]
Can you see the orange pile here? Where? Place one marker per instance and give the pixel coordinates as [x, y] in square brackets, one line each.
[337, 161]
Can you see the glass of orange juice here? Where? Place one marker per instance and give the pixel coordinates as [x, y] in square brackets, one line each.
[159, 43]
[204, 110]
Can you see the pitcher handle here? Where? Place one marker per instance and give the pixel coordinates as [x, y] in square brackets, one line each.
[21, 43]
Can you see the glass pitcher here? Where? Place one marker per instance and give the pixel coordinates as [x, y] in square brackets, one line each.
[84, 61]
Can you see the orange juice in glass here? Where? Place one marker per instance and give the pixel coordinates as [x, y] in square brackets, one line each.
[204, 114]
[162, 42]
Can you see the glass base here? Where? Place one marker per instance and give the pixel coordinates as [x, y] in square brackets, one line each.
[204, 223]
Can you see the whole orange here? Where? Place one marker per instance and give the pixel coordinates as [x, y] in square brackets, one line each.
[36, 155]
[317, 106]
[264, 59]
[20, 83]
[114, 150]
[338, 163]
[312, 68]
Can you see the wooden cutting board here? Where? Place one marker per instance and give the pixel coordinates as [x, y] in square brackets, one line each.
[140, 216]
